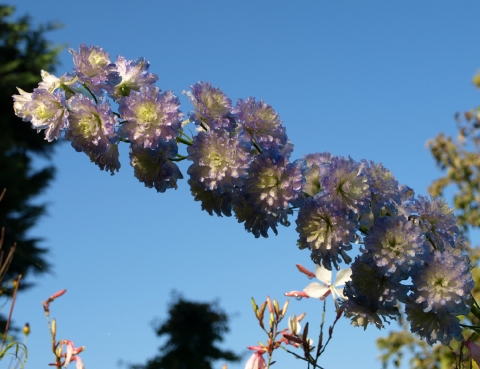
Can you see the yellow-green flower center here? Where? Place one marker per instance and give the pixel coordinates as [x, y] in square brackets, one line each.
[43, 112]
[89, 125]
[97, 59]
[146, 112]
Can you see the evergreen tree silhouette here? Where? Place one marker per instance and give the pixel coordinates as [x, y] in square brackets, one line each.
[192, 330]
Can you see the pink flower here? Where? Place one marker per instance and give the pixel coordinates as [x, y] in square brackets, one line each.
[256, 361]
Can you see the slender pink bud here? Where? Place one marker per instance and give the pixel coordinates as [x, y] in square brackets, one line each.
[270, 307]
[257, 348]
[57, 294]
[296, 294]
[46, 304]
[304, 270]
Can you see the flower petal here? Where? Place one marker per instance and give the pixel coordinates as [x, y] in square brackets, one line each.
[343, 276]
[323, 275]
[316, 290]
[338, 293]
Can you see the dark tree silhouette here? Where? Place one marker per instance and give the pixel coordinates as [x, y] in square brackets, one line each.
[192, 330]
[24, 51]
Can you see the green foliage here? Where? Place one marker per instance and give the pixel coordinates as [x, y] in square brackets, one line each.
[15, 349]
[192, 330]
[460, 160]
[23, 52]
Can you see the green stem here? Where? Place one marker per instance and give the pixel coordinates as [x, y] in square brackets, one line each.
[184, 141]
[300, 357]
[91, 93]
[178, 158]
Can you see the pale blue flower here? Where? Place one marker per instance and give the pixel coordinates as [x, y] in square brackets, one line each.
[326, 230]
[397, 246]
[134, 74]
[212, 108]
[212, 201]
[44, 110]
[220, 161]
[107, 161]
[263, 124]
[431, 326]
[444, 284]
[151, 117]
[93, 67]
[153, 167]
[343, 181]
[92, 126]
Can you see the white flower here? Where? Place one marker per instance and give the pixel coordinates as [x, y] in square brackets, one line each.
[294, 325]
[321, 291]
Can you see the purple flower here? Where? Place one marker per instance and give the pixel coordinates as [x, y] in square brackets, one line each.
[220, 161]
[342, 181]
[107, 161]
[212, 108]
[264, 125]
[255, 220]
[310, 167]
[151, 117]
[92, 127]
[437, 221]
[443, 285]
[263, 202]
[372, 298]
[212, 201]
[93, 67]
[44, 110]
[397, 247]
[431, 326]
[153, 167]
[327, 231]
[134, 74]
[272, 184]
[384, 188]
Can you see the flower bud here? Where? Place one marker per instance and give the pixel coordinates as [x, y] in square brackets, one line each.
[285, 307]
[276, 307]
[255, 307]
[54, 327]
[262, 311]
[270, 307]
[26, 329]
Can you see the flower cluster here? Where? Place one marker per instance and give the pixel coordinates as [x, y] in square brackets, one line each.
[78, 104]
[240, 165]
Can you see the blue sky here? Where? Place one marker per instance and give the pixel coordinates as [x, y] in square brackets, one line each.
[374, 80]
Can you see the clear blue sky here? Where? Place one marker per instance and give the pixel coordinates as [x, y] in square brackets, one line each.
[373, 80]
